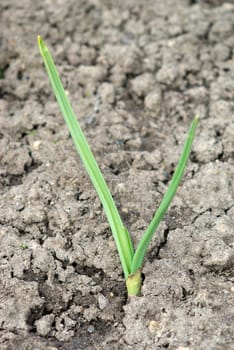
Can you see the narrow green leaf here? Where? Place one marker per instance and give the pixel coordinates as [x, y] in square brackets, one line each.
[144, 243]
[121, 235]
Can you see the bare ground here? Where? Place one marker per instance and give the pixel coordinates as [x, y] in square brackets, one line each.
[136, 72]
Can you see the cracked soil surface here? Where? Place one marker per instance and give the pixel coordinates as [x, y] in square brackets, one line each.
[136, 72]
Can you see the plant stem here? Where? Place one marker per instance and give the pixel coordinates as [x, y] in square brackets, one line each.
[133, 283]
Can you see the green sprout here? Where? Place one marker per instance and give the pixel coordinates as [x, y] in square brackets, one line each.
[131, 260]
[23, 246]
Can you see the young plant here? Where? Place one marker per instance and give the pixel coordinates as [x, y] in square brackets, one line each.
[131, 260]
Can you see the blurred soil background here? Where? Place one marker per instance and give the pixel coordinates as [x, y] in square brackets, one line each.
[136, 73]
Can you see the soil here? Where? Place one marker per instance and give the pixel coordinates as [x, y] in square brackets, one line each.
[136, 72]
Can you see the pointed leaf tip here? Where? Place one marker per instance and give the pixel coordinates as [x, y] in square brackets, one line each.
[42, 46]
[39, 42]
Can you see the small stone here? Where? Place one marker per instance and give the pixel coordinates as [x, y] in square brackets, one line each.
[207, 148]
[153, 100]
[134, 144]
[107, 92]
[154, 326]
[120, 132]
[221, 52]
[43, 325]
[91, 329]
[36, 144]
[102, 301]
[167, 74]
[19, 205]
[121, 187]
[142, 84]
[221, 29]
[217, 254]
[125, 210]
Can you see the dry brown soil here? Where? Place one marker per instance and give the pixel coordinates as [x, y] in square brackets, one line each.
[136, 72]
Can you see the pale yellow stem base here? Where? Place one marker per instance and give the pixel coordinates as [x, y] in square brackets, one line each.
[133, 283]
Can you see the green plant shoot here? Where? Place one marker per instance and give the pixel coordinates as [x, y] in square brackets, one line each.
[131, 260]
